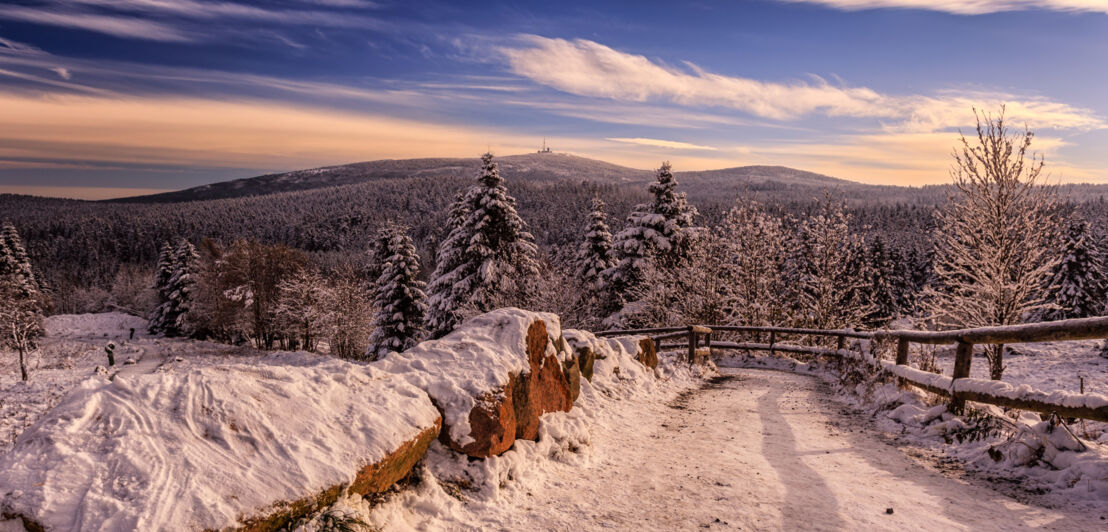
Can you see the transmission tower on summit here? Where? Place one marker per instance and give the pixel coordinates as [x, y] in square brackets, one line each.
[545, 148]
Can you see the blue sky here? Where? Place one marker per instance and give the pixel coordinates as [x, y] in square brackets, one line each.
[102, 98]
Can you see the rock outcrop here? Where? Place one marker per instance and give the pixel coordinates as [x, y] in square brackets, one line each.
[492, 378]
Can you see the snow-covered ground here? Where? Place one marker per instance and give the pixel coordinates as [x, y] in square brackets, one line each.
[749, 450]
[1046, 366]
[72, 350]
[678, 449]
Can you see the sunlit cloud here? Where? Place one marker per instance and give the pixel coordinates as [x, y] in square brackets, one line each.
[232, 10]
[591, 69]
[966, 7]
[659, 143]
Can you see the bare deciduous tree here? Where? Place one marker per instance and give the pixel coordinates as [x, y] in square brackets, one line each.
[993, 242]
[20, 321]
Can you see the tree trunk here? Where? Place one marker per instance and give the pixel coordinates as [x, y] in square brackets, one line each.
[996, 362]
[22, 365]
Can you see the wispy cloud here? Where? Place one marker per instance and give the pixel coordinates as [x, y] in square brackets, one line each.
[116, 26]
[588, 68]
[221, 10]
[966, 7]
[659, 143]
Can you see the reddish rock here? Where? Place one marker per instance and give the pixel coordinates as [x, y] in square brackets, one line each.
[586, 357]
[647, 354]
[544, 389]
[492, 424]
[372, 478]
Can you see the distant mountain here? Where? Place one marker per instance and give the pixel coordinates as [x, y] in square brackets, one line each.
[532, 167]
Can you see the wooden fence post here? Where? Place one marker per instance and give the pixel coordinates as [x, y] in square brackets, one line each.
[771, 343]
[962, 359]
[839, 344]
[692, 344]
[902, 357]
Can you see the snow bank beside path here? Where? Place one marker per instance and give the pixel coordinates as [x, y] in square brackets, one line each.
[206, 448]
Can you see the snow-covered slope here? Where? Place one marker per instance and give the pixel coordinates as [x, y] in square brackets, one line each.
[205, 448]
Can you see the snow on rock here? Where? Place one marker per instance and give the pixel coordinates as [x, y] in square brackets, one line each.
[215, 447]
[492, 377]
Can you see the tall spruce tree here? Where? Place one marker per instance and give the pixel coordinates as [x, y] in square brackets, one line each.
[881, 284]
[1078, 280]
[14, 261]
[174, 313]
[399, 298]
[595, 254]
[163, 272]
[658, 234]
[487, 260]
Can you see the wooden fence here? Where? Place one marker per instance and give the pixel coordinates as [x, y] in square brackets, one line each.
[959, 387]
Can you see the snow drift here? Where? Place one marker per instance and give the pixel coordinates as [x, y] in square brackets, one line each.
[215, 447]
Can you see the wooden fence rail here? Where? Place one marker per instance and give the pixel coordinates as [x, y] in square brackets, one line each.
[959, 387]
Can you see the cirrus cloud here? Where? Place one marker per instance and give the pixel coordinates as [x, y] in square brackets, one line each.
[966, 7]
[588, 68]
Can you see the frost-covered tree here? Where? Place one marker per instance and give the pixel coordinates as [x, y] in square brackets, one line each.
[351, 313]
[487, 260]
[883, 281]
[1078, 281]
[163, 272]
[21, 301]
[753, 255]
[994, 250]
[20, 320]
[595, 254]
[826, 272]
[399, 298]
[658, 234]
[174, 314]
[302, 308]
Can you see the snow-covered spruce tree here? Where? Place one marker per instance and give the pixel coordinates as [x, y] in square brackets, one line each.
[15, 262]
[488, 260]
[994, 250]
[754, 252]
[881, 284]
[399, 298]
[658, 235]
[1078, 280]
[176, 317]
[163, 272]
[595, 253]
[444, 305]
[825, 273]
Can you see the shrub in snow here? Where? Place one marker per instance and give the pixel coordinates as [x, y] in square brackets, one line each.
[993, 243]
[488, 258]
[398, 322]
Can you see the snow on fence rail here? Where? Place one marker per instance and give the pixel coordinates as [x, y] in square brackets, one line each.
[958, 386]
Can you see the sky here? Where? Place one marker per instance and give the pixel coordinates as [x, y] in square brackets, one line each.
[108, 98]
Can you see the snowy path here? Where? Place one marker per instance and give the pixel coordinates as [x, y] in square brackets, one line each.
[765, 450]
